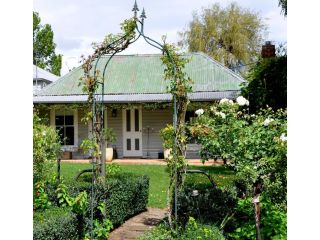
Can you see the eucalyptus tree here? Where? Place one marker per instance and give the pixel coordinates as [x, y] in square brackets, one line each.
[44, 55]
[283, 5]
[231, 35]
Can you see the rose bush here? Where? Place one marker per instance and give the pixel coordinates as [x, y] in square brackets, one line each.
[254, 145]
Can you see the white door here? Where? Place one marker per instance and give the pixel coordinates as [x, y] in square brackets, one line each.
[132, 134]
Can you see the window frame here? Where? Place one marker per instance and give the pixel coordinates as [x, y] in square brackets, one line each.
[64, 126]
[74, 113]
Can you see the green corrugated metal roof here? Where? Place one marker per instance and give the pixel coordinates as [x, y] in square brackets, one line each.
[134, 74]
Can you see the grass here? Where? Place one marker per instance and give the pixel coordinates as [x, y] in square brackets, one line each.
[159, 179]
[220, 174]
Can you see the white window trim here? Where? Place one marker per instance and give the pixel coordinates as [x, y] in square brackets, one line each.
[76, 135]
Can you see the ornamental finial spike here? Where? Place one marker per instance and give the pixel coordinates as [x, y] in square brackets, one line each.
[143, 14]
[135, 8]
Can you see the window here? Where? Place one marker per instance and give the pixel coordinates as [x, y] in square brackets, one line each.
[190, 115]
[65, 127]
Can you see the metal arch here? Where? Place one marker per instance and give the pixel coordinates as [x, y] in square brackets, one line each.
[98, 99]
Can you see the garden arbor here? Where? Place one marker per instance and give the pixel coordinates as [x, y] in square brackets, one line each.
[94, 85]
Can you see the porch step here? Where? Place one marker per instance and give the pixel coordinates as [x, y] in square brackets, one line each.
[192, 155]
[79, 155]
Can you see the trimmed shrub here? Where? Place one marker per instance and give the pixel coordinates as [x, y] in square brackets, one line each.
[123, 195]
[205, 203]
[55, 224]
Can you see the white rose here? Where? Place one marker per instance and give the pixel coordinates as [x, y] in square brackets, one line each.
[247, 102]
[283, 137]
[199, 112]
[267, 121]
[220, 114]
[242, 101]
[224, 100]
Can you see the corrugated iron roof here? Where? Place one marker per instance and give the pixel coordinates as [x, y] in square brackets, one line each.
[39, 73]
[143, 74]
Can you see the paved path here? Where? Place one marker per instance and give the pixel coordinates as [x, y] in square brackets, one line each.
[196, 162]
[137, 225]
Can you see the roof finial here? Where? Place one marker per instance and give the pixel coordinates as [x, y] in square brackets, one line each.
[143, 14]
[135, 8]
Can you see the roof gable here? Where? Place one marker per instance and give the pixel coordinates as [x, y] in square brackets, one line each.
[143, 74]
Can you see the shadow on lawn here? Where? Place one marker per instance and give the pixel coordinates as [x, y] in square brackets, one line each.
[221, 170]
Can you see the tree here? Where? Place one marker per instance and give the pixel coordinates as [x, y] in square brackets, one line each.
[283, 5]
[232, 35]
[44, 55]
[267, 83]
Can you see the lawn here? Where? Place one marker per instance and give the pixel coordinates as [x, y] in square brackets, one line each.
[159, 178]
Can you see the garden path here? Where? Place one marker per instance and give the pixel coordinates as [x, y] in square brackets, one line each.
[137, 225]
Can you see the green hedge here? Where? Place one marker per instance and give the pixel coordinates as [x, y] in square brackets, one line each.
[55, 224]
[124, 195]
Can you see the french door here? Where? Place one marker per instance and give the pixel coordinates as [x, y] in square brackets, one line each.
[132, 132]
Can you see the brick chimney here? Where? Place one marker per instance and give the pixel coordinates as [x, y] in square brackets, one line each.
[268, 50]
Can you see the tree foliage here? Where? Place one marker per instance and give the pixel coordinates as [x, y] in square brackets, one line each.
[283, 5]
[44, 55]
[267, 84]
[231, 35]
[46, 149]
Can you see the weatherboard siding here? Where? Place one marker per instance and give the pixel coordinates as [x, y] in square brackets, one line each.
[116, 124]
[155, 120]
[82, 134]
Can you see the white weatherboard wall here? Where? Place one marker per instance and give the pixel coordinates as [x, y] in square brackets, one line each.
[116, 124]
[82, 134]
[155, 120]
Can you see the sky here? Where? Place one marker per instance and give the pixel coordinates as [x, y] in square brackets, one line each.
[78, 23]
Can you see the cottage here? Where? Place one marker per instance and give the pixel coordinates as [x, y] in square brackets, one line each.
[137, 104]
